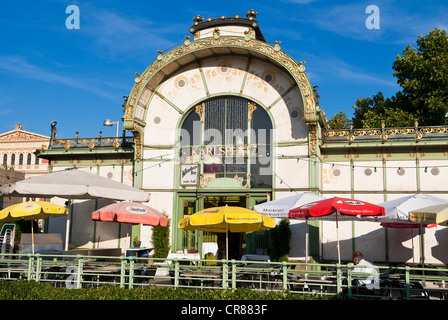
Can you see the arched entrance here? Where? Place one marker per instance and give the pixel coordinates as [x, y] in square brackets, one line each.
[225, 158]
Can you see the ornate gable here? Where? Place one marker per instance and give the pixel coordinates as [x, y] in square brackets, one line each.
[21, 135]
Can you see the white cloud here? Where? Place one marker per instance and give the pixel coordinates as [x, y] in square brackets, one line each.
[327, 67]
[119, 34]
[18, 66]
[398, 24]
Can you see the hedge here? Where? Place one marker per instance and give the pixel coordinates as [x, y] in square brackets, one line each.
[32, 290]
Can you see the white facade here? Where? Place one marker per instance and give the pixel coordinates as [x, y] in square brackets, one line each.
[228, 61]
[17, 149]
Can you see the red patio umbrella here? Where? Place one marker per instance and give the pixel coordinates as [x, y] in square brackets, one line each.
[130, 212]
[343, 206]
[334, 207]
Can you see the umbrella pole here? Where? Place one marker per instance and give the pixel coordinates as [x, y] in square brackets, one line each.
[422, 248]
[67, 226]
[227, 244]
[337, 239]
[32, 237]
[307, 237]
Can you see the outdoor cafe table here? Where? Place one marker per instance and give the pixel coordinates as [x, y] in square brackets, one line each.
[7, 271]
[96, 272]
[191, 277]
[309, 282]
[183, 256]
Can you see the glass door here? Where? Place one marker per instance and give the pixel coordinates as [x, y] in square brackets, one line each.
[185, 239]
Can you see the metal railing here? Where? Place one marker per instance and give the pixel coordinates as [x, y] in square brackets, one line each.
[78, 271]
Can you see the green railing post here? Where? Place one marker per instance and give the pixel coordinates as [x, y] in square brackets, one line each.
[408, 283]
[176, 273]
[233, 273]
[338, 279]
[30, 266]
[285, 275]
[38, 267]
[349, 280]
[80, 271]
[131, 272]
[123, 272]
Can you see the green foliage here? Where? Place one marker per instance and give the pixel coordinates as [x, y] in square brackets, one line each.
[423, 75]
[280, 238]
[161, 241]
[340, 121]
[368, 112]
[32, 290]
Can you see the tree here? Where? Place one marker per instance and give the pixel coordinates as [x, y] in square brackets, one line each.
[370, 111]
[339, 121]
[422, 74]
[280, 239]
[161, 240]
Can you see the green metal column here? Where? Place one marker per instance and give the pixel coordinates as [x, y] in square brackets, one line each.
[138, 183]
[313, 235]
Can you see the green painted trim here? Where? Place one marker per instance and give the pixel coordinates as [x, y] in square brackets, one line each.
[282, 96]
[246, 71]
[384, 178]
[204, 80]
[169, 102]
[315, 227]
[138, 183]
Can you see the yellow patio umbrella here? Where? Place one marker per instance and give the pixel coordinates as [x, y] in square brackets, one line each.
[31, 210]
[227, 219]
[431, 215]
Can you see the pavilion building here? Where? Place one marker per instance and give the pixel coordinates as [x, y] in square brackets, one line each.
[227, 118]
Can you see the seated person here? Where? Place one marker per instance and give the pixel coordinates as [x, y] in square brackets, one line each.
[368, 282]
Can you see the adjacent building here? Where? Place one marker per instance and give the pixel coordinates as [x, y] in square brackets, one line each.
[17, 149]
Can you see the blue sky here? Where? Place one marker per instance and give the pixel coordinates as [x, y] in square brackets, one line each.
[78, 77]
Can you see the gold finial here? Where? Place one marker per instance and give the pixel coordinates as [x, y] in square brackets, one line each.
[198, 19]
[137, 77]
[251, 14]
[18, 126]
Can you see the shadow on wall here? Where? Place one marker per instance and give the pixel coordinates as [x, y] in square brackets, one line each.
[403, 244]
[83, 228]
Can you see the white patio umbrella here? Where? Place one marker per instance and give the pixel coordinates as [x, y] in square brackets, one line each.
[73, 184]
[397, 213]
[280, 209]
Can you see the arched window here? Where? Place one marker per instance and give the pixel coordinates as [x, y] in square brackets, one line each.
[13, 159]
[20, 159]
[229, 137]
[28, 160]
[5, 159]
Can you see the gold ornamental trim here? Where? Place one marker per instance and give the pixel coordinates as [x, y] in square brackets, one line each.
[296, 70]
[416, 133]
